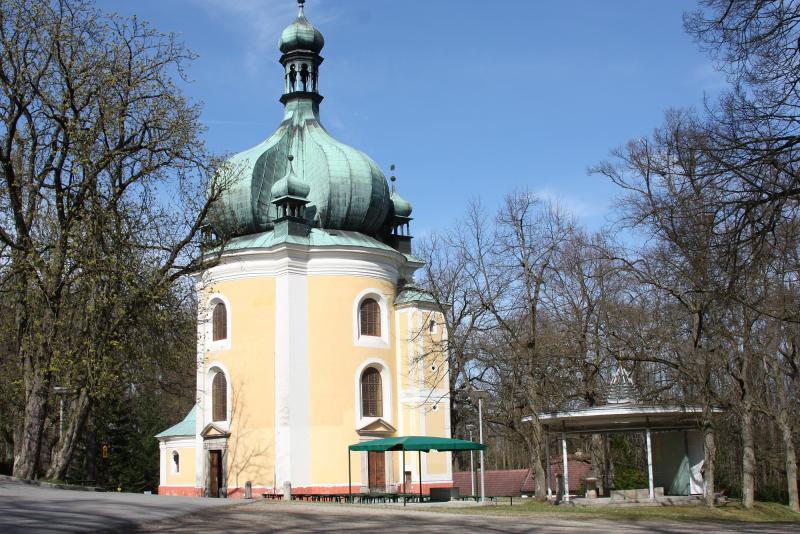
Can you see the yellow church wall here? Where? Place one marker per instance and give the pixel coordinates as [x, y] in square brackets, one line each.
[250, 364]
[334, 361]
[403, 344]
[435, 426]
[185, 476]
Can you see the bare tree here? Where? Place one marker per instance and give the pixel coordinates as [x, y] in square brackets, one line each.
[104, 186]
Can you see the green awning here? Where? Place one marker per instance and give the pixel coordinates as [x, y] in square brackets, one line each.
[417, 443]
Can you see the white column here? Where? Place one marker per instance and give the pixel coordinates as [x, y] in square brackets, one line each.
[162, 475]
[292, 428]
[566, 468]
[650, 465]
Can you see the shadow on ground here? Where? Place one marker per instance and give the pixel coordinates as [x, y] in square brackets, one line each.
[297, 517]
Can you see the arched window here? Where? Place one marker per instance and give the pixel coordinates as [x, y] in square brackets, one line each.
[371, 393]
[219, 398]
[370, 316]
[176, 462]
[219, 322]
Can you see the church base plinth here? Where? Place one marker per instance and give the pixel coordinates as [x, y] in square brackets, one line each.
[180, 491]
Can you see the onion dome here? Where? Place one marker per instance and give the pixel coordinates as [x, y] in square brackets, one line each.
[344, 187]
[290, 185]
[301, 35]
[400, 206]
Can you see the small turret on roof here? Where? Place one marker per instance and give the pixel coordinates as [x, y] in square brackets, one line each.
[621, 389]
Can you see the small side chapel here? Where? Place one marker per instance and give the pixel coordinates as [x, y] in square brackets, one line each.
[311, 334]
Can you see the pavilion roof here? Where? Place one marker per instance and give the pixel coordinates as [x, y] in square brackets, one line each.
[417, 443]
[622, 418]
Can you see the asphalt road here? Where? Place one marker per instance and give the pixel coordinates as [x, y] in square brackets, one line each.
[32, 509]
[29, 508]
[270, 516]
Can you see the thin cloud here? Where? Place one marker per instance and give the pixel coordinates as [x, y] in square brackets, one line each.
[576, 206]
[260, 23]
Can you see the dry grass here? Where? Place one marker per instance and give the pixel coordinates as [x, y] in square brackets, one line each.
[761, 512]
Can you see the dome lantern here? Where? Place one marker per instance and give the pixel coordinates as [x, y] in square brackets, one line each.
[301, 44]
[399, 219]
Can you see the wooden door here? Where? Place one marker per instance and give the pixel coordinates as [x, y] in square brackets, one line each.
[377, 471]
[215, 473]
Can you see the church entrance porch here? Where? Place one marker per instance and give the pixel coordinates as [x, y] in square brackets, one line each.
[376, 471]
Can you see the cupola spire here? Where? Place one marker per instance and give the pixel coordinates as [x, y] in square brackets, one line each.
[400, 218]
[301, 44]
[290, 196]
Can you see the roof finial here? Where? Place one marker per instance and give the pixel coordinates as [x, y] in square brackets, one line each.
[300, 6]
[393, 177]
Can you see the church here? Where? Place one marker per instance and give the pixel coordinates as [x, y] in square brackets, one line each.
[311, 334]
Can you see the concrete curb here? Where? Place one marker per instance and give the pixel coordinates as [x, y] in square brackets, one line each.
[71, 487]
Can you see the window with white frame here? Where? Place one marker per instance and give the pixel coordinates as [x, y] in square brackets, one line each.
[370, 319]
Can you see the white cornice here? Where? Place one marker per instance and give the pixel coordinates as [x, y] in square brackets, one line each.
[310, 261]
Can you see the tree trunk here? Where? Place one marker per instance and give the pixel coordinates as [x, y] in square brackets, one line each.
[62, 456]
[785, 425]
[535, 444]
[598, 455]
[28, 443]
[748, 456]
[710, 453]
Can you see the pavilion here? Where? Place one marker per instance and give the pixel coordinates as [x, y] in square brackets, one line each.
[677, 463]
[419, 444]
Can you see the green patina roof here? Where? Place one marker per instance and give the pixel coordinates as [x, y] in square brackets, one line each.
[290, 186]
[347, 189]
[400, 206]
[184, 428]
[316, 238]
[417, 443]
[411, 294]
[301, 35]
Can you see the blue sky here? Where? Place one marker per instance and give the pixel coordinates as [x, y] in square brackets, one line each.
[468, 98]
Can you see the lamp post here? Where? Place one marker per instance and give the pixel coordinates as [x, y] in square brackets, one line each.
[480, 395]
[470, 427]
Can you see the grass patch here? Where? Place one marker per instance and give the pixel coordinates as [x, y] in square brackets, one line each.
[761, 512]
